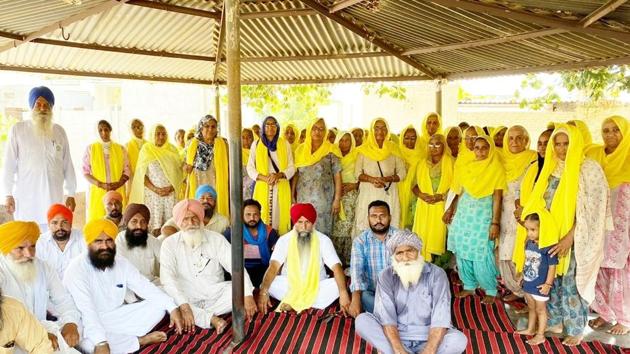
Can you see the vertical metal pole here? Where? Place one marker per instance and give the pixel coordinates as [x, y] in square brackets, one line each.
[233, 53]
[217, 103]
[438, 98]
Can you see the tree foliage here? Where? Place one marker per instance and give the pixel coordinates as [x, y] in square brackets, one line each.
[593, 85]
[380, 89]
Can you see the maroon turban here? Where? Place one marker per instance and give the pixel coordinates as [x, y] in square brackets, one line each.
[133, 209]
[306, 210]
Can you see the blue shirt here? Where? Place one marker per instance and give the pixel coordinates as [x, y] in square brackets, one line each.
[537, 262]
[368, 258]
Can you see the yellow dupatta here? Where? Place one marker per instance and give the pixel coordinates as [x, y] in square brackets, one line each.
[303, 155]
[423, 139]
[222, 178]
[564, 201]
[99, 171]
[133, 151]
[493, 133]
[261, 189]
[170, 163]
[616, 166]
[347, 166]
[465, 155]
[411, 158]
[428, 222]
[516, 164]
[446, 132]
[370, 148]
[547, 229]
[302, 290]
[296, 132]
[481, 178]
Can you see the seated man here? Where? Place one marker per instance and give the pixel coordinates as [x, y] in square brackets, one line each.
[369, 257]
[303, 282]
[399, 325]
[36, 284]
[137, 245]
[98, 282]
[61, 243]
[212, 221]
[191, 270]
[20, 329]
[113, 202]
[259, 240]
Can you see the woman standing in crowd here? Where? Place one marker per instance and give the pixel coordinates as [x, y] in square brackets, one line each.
[612, 290]
[135, 143]
[207, 163]
[106, 168]
[476, 216]
[318, 177]
[431, 125]
[247, 138]
[158, 179]
[434, 177]
[453, 140]
[271, 166]
[379, 168]
[291, 136]
[575, 192]
[411, 153]
[344, 221]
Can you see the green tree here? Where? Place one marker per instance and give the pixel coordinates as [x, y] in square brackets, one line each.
[381, 89]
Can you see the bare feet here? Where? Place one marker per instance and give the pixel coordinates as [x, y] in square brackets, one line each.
[597, 323]
[218, 323]
[537, 339]
[285, 308]
[464, 293]
[488, 300]
[557, 329]
[152, 338]
[510, 298]
[527, 332]
[572, 341]
[618, 330]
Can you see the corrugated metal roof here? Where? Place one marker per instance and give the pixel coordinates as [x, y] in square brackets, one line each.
[287, 41]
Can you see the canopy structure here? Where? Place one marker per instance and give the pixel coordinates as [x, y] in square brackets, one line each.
[312, 41]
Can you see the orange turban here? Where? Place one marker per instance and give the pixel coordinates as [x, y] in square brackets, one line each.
[14, 233]
[57, 209]
[96, 227]
[112, 195]
[180, 209]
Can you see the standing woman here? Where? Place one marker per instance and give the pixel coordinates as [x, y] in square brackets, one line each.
[158, 179]
[379, 168]
[476, 214]
[271, 166]
[453, 140]
[247, 138]
[431, 125]
[291, 136]
[343, 223]
[207, 163]
[434, 176]
[106, 167]
[575, 191]
[612, 290]
[318, 177]
[411, 152]
[135, 143]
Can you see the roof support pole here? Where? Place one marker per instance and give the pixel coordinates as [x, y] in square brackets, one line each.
[217, 103]
[233, 54]
[439, 92]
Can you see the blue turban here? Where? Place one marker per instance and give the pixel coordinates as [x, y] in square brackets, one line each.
[203, 189]
[38, 92]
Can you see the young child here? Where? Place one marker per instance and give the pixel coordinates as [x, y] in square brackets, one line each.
[539, 272]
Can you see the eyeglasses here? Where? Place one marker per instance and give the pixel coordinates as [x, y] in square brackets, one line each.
[433, 146]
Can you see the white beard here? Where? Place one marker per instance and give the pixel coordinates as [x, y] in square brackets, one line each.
[193, 237]
[408, 272]
[42, 123]
[24, 272]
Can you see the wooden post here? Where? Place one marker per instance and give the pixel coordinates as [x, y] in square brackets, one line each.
[438, 98]
[233, 53]
[217, 103]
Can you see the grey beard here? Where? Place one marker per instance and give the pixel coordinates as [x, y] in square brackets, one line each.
[304, 249]
[42, 123]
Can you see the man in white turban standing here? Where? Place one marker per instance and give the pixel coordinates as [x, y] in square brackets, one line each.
[37, 162]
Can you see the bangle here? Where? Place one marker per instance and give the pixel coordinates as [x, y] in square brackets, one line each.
[495, 223]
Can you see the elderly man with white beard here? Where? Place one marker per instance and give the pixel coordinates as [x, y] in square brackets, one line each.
[37, 285]
[191, 270]
[37, 162]
[412, 309]
[98, 281]
[303, 282]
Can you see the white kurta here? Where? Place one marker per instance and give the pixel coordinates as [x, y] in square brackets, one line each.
[45, 293]
[195, 276]
[35, 170]
[48, 251]
[288, 172]
[145, 259]
[99, 296]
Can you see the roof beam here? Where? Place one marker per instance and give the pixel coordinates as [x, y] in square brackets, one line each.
[485, 42]
[545, 68]
[220, 40]
[315, 57]
[334, 81]
[175, 8]
[371, 37]
[342, 4]
[602, 11]
[277, 13]
[504, 12]
[63, 23]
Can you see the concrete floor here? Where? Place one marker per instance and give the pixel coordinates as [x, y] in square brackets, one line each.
[520, 322]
